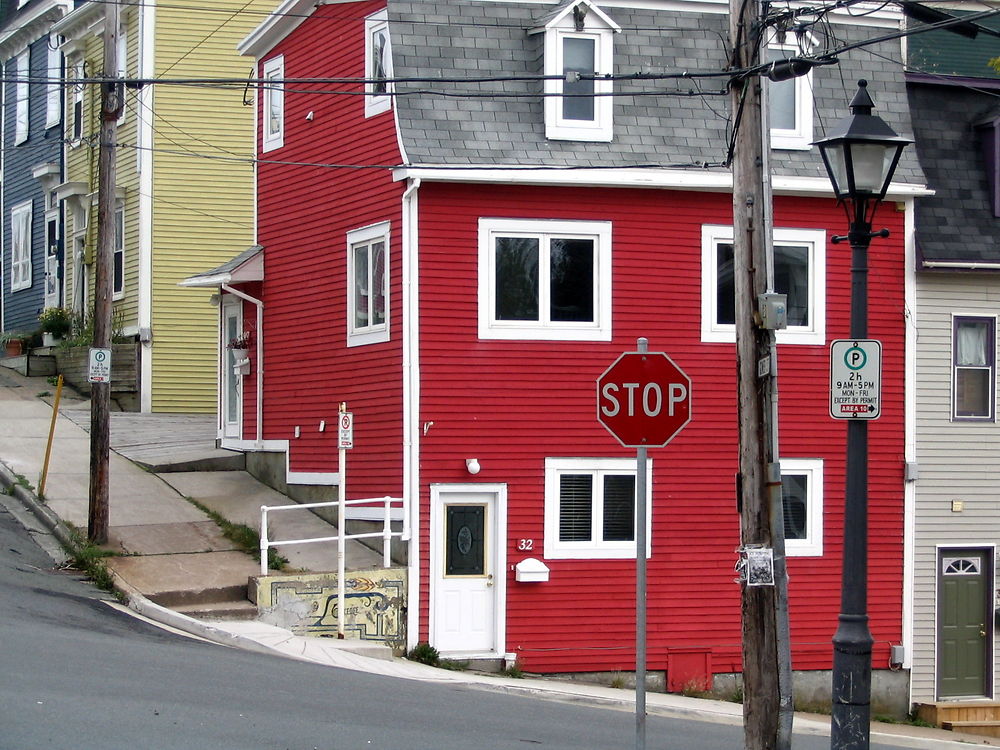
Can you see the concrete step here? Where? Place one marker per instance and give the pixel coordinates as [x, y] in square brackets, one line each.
[200, 596]
[226, 610]
[980, 728]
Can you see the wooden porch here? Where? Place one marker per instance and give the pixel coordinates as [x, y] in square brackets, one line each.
[980, 717]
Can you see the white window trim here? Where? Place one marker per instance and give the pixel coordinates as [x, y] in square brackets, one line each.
[812, 468]
[375, 105]
[372, 334]
[601, 128]
[954, 416]
[121, 54]
[593, 550]
[79, 69]
[598, 330]
[53, 89]
[800, 137]
[22, 101]
[815, 239]
[20, 262]
[118, 294]
[273, 69]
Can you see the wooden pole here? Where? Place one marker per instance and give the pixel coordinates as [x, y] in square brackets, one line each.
[767, 703]
[100, 398]
[52, 433]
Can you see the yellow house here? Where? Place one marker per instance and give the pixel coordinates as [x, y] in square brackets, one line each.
[184, 181]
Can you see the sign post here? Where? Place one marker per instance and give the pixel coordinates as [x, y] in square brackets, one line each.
[345, 441]
[644, 400]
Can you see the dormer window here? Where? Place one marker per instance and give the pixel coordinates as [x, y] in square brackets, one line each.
[989, 131]
[579, 44]
[791, 101]
[378, 65]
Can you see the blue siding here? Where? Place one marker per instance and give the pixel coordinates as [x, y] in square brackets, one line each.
[21, 308]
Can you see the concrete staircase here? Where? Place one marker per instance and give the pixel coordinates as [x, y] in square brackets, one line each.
[971, 717]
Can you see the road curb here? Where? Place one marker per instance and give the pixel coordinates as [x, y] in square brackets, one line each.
[55, 525]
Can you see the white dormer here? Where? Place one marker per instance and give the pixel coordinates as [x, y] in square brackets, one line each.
[579, 39]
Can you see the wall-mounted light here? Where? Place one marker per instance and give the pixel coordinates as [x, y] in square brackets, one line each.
[472, 464]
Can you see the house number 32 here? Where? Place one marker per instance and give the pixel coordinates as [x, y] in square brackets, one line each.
[525, 544]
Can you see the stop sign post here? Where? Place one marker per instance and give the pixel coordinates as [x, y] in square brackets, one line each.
[644, 400]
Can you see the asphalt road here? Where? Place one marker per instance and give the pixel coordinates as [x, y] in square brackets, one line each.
[79, 674]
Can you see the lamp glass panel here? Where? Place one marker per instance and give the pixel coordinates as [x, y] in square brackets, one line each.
[836, 165]
[871, 163]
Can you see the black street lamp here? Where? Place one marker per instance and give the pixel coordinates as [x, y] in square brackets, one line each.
[860, 155]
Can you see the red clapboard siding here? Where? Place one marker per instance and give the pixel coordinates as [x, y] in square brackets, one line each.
[518, 402]
[310, 197]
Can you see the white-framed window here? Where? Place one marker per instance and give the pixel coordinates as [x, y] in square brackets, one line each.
[799, 273]
[121, 55]
[544, 279]
[77, 90]
[802, 503]
[579, 41]
[21, 97]
[118, 267]
[273, 109]
[53, 88]
[378, 64]
[790, 103]
[52, 280]
[20, 246]
[590, 508]
[973, 367]
[368, 285]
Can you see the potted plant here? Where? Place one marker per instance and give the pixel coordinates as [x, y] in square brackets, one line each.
[240, 346]
[13, 344]
[55, 323]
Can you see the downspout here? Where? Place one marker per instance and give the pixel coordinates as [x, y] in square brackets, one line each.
[144, 166]
[260, 355]
[909, 435]
[411, 408]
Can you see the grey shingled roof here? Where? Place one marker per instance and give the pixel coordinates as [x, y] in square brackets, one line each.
[459, 38]
[957, 223]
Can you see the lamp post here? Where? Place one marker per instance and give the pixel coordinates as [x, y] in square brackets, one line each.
[860, 156]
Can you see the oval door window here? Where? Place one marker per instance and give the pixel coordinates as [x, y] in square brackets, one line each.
[465, 530]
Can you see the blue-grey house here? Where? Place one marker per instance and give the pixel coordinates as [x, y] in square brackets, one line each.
[32, 162]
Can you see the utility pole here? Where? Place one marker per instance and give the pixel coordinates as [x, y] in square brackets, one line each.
[100, 394]
[767, 703]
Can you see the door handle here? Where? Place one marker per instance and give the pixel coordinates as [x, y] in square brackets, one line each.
[982, 630]
[489, 581]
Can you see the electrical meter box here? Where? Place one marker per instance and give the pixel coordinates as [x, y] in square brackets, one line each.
[773, 311]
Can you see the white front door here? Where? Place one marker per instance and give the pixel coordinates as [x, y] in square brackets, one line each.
[467, 562]
[232, 401]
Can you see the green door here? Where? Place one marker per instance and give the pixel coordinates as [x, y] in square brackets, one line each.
[963, 623]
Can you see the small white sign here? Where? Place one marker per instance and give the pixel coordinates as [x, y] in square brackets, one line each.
[99, 370]
[345, 435]
[856, 379]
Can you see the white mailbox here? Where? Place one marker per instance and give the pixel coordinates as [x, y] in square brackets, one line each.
[531, 570]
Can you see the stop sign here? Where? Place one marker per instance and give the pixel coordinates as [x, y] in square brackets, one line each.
[644, 399]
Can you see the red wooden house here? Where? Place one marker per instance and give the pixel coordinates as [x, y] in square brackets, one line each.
[460, 245]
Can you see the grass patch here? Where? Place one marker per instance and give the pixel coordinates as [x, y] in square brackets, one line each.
[243, 536]
[514, 670]
[91, 560]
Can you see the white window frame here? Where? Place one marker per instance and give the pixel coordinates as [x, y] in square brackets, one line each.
[815, 239]
[53, 88]
[800, 137]
[812, 469]
[990, 367]
[370, 334]
[594, 549]
[121, 54]
[375, 24]
[601, 128]
[597, 330]
[22, 101]
[20, 246]
[273, 69]
[76, 132]
[119, 217]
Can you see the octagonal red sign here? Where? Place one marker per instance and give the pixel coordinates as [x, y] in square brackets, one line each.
[644, 399]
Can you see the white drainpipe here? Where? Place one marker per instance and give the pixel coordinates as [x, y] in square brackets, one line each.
[411, 408]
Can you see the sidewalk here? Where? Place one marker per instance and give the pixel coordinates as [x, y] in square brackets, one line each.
[176, 560]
